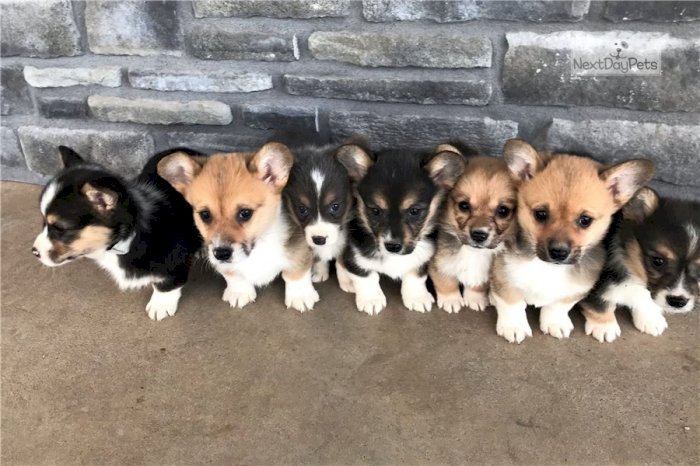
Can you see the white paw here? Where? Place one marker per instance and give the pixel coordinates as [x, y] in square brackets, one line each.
[558, 324]
[512, 328]
[651, 322]
[301, 298]
[163, 304]
[603, 331]
[476, 300]
[239, 297]
[418, 300]
[372, 305]
[450, 303]
[344, 281]
[320, 272]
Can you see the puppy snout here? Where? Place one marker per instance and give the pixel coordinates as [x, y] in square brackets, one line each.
[319, 240]
[558, 252]
[223, 253]
[393, 247]
[36, 252]
[479, 236]
[676, 301]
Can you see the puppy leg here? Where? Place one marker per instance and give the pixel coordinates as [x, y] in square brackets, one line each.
[446, 289]
[414, 293]
[477, 297]
[320, 271]
[163, 301]
[511, 323]
[238, 292]
[646, 314]
[554, 318]
[601, 323]
[343, 275]
[299, 291]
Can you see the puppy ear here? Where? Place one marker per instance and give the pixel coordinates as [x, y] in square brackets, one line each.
[446, 167]
[625, 179]
[102, 199]
[447, 148]
[522, 159]
[179, 169]
[642, 205]
[355, 159]
[69, 157]
[272, 164]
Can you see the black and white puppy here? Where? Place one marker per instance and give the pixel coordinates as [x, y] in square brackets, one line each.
[318, 199]
[398, 198]
[141, 232]
[653, 266]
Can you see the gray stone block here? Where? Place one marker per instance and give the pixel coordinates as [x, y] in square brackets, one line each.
[654, 12]
[394, 49]
[404, 131]
[10, 153]
[199, 81]
[271, 8]
[38, 29]
[465, 10]
[159, 112]
[129, 27]
[674, 148]
[280, 117]
[107, 76]
[15, 93]
[219, 42]
[421, 91]
[123, 151]
[210, 143]
[62, 107]
[538, 71]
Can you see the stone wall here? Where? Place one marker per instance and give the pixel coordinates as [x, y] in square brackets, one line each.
[120, 80]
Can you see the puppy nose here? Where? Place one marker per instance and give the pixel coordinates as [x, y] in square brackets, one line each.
[223, 254]
[393, 247]
[36, 252]
[676, 301]
[559, 252]
[319, 240]
[479, 235]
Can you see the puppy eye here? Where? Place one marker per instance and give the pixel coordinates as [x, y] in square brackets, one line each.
[376, 211]
[244, 215]
[302, 209]
[541, 215]
[658, 262]
[415, 211]
[205, 215]
[503, 211]
[464, 206]
[334, 208]
[584, 221]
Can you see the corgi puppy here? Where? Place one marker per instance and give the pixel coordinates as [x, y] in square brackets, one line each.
[141, 231]
[398, 198]
[237, 204]
[565, 206]
[478, 215]
[653, 266]
[318, 200]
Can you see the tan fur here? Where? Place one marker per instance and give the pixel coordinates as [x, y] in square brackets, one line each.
[605, 317]
[381, 201]
[444, 284]
[91, 238]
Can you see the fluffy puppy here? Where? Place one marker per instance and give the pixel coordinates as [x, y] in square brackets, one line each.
[397, 204]
[565, 206]
[141, 231]
[237, 203]
[478, 215]
[653, 266]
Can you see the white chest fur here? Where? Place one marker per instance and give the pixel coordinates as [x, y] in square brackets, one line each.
[471, 266]
[109, 261]
[395, 265]
[543, 283]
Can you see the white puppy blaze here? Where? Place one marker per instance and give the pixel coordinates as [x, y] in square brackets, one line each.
[48, 196]
[163, 303]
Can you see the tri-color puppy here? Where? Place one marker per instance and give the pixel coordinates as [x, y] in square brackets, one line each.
[653, 266]
[398, 200]
[318, 199]
[478, 215]
[140, 231]
[237, 204]
[565, 205]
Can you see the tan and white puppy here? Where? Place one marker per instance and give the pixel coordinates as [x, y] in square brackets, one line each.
[565, 205]
[478, 215]
[236, 201]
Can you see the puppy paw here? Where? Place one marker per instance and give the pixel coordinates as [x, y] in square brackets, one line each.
[372, 305]
[418, 300]
[320, 272]
[603, 331]
[450, 303]
[161, 306]
[476, 300]
[344, 281]
[514, 329]
[652, 322]
[301, 298]
[558, 325]
[239, 297]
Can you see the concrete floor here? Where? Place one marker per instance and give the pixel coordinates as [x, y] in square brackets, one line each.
[87, 378]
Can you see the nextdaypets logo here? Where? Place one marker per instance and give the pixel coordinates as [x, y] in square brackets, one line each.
[619, 59]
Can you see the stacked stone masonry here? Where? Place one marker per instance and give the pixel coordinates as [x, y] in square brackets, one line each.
[121, 80]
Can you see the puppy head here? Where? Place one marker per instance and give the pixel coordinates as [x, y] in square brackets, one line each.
[398, 195]
[664, 248]
[235, 198]
[318, 196]
[82, 208]
[480, 208]
[565, 202]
